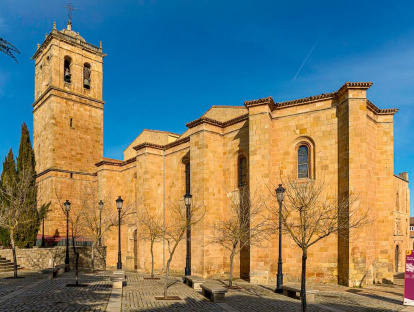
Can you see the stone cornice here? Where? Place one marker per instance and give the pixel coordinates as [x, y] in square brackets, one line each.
[269, 101]
[162, 147]
[216, 123]
[146, 144]
[64, 171]
[306, 100]
[353, 85]
[335, 95]
[401, 178]
[115, 162]
[177, 142]
[379, 111]
[324, 96]
[70, 40]
[49, 90]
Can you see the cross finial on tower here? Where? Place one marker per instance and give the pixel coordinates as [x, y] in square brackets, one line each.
[70, 9]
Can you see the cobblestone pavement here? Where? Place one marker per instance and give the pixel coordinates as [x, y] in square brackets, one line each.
[35, 293]
[372, 298]
[256, 298]
[9, 285]
[140, 294]
[53, 295]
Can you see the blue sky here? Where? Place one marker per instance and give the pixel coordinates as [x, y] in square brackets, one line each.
[170, 60]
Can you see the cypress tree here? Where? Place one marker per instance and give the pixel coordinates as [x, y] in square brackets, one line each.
[8, 179]
[9, 174]
[27, 232]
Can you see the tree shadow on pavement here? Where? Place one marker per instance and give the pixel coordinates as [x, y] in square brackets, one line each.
[53, 295]
[373, 296]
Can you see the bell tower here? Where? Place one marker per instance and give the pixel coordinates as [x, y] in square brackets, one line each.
[67, 117]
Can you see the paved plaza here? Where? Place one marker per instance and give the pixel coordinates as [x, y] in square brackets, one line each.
[34, 291]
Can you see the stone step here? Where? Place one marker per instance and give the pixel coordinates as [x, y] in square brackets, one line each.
[9, 269]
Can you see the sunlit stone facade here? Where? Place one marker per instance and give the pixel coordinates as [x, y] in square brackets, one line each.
[349, 143]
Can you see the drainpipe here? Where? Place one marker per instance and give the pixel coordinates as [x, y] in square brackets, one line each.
[163, 209]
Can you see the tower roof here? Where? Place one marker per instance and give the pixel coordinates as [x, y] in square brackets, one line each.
[69, 32]
[69, 36]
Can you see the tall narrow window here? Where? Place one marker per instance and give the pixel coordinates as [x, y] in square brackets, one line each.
[187, 178]
[87, 76]
[242, 171]
[303, 161]
[67, 76]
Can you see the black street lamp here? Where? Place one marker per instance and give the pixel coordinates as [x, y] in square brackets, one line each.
[280, 192]
[67, 208]
[100, 205]
[119, 202]
[187, 201]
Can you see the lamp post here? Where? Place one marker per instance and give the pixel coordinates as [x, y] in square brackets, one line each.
[100, 206]
[187, 201]
[119, 202]
[67, 208]
[280, 192]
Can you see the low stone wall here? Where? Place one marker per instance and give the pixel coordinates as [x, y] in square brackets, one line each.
[42, 258]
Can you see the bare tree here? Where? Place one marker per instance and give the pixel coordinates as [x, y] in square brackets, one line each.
[176, 226]
[9, 49]
[16, 202]
[95, 223]
[310, 213]
[245, 223]
[151, 225]
[87, 221]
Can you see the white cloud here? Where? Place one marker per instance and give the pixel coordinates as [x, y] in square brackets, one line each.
[3, 80]
[3, 26]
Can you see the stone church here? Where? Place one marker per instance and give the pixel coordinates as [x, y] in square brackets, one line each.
[340, 136]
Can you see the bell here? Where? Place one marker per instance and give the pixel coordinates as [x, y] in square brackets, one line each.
[67, 77]
[86, 83]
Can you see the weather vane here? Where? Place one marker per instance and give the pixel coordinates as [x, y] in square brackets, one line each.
[70, 9]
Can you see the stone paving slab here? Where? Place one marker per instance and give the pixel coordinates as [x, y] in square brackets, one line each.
[53, 295]
[9, 285]
[370, 298]
[115, 300]
[34, 292]
[139, 295]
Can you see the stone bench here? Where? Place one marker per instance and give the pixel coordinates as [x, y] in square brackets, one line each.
[214, 292]
[294, 292]
[118, 279]
[194, 281]
[55, 272]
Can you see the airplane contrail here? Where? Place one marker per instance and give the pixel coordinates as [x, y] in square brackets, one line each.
[310, 52]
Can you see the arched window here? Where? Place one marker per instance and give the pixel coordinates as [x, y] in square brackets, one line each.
[187, 178]
[303, 161]
[67, 76]
[87, 76]
[242, 171]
